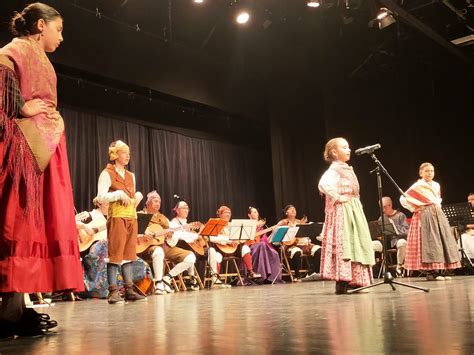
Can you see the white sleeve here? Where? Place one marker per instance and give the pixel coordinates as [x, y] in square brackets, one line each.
[173, 240]
[219, 239]
[103, 194]
[404, 203]
[327, 185]
[138, 195]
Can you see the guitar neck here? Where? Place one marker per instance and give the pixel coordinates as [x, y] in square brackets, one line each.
[263, 231]
[172, 229]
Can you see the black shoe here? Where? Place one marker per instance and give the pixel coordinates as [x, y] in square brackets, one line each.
[6, 329]
[21, 328]
[341, 287]
[42, 320]
[194, 285]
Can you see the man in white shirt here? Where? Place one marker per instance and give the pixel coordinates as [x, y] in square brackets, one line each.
[183, 259]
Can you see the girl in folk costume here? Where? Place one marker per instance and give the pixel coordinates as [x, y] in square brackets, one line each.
[38, 239]
[117, 187]
[430, 243]
[347, 253]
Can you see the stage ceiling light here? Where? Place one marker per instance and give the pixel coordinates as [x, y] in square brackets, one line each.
[313, 3]
[242, 17]
[385, 18]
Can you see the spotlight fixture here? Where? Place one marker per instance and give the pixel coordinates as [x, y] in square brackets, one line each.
[242, 17]
[198, 1]
[385, 18]
[313, 3]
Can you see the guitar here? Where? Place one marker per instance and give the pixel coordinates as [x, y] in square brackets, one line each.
[231, 248]
[81, 217]
[260, 233]
[200, 243]
[158, 234]
[86, 240]
[292, 242]
[227, 248]
[197, 246]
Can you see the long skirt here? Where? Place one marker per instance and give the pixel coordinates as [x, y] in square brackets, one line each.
[334, 266]
[39, 257]
[430, 242]
[266, 261]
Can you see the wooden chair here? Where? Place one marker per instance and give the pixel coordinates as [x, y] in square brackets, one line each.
[177, 281]
[226, 260]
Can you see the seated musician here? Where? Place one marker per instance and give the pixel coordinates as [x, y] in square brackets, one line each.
[468, 242]
[399, 221]
[95, 260]
[300, 246]
[222, 240]
[183, 259]
[265, 258]
[470, 199]
[468, 235]
[188, 238]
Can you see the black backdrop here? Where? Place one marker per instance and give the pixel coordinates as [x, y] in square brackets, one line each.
[205, 172]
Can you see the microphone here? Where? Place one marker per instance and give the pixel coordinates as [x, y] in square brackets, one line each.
[367, 150]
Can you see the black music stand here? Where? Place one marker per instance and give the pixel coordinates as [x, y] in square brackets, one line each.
[143, 221]
[375, 229]
[278, 236]
[310, 230]
[387, 276]
[459, 215]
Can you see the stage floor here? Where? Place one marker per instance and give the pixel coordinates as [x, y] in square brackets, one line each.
[301, 318]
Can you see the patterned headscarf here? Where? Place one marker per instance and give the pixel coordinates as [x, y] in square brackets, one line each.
[152, 195]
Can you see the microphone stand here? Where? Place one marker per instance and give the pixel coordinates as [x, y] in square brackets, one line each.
[387, 276]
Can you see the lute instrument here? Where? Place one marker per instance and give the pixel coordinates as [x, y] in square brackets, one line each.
[158, 236]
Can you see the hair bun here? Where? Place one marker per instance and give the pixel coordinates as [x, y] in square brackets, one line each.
[18, 25]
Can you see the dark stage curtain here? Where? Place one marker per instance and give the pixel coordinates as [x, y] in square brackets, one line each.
[204, 172]
[297, 167]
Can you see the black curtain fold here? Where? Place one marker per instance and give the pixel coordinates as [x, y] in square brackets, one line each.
[206, 173]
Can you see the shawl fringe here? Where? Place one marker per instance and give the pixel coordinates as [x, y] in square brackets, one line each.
[17, 158]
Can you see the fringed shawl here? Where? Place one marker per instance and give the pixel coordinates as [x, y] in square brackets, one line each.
[421, 193]
[30, 142]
